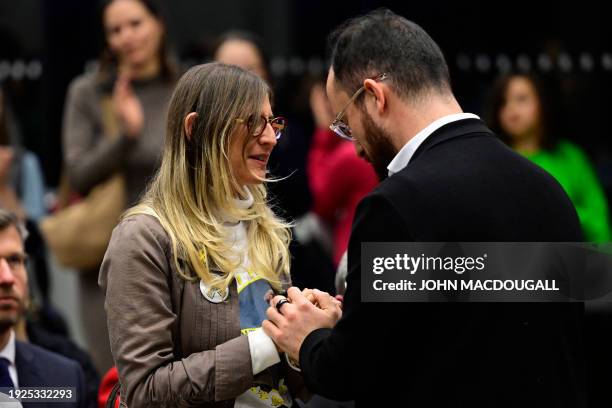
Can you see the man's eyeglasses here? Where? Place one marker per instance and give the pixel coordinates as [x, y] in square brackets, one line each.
[338, 126]
[257, 124]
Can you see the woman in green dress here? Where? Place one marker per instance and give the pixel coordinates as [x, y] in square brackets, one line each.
[520, 114]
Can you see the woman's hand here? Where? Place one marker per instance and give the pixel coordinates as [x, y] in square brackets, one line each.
[128, 108]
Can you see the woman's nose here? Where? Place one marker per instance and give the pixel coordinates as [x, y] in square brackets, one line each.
[268, 136]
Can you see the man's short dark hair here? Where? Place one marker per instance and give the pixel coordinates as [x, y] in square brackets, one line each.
[382, 41]
[8, 219]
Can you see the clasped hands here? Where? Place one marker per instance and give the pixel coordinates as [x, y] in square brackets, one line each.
[305, 312]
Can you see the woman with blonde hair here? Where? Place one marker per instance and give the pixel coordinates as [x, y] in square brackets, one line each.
[188, 269]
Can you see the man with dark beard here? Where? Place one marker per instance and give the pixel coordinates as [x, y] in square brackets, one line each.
[24, 366]
[449, 180]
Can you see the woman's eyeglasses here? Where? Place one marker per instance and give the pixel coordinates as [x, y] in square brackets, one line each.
[257, 124]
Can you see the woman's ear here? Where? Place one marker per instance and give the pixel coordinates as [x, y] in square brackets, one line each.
[188, 123]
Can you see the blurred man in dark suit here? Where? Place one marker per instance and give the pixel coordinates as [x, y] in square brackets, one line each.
[23, 365]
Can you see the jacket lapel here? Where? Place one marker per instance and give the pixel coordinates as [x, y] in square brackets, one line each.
[28, 372]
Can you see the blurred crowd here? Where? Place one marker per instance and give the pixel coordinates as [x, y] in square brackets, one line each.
[113, 131]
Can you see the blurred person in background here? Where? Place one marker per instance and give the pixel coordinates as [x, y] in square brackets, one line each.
[21, 180]
[523, 115]
[136, 74]
[243, 49]
[22, 364]
[22, 192]
[188, 269]
[338, 178]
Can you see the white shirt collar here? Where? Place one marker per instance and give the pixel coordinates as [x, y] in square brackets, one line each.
[8, 351]
[402, 158]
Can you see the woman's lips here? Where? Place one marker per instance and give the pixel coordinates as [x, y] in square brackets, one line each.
[260, 158]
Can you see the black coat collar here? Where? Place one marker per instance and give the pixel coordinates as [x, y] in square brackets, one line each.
[450, 131]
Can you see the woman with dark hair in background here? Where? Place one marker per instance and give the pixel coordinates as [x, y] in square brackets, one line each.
[521, 113]
[243, 49]
[130, 89]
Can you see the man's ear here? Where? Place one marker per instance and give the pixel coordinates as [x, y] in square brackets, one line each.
[188, 123]
[378, 90]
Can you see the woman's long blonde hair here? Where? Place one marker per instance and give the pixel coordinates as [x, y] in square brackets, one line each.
[194, 189]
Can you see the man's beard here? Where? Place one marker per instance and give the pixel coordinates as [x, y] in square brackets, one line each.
[379, 150]
[10, 315]
[6, 322]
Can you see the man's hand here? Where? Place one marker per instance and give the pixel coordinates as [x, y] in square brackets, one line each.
[309, 294]
[299, 318]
